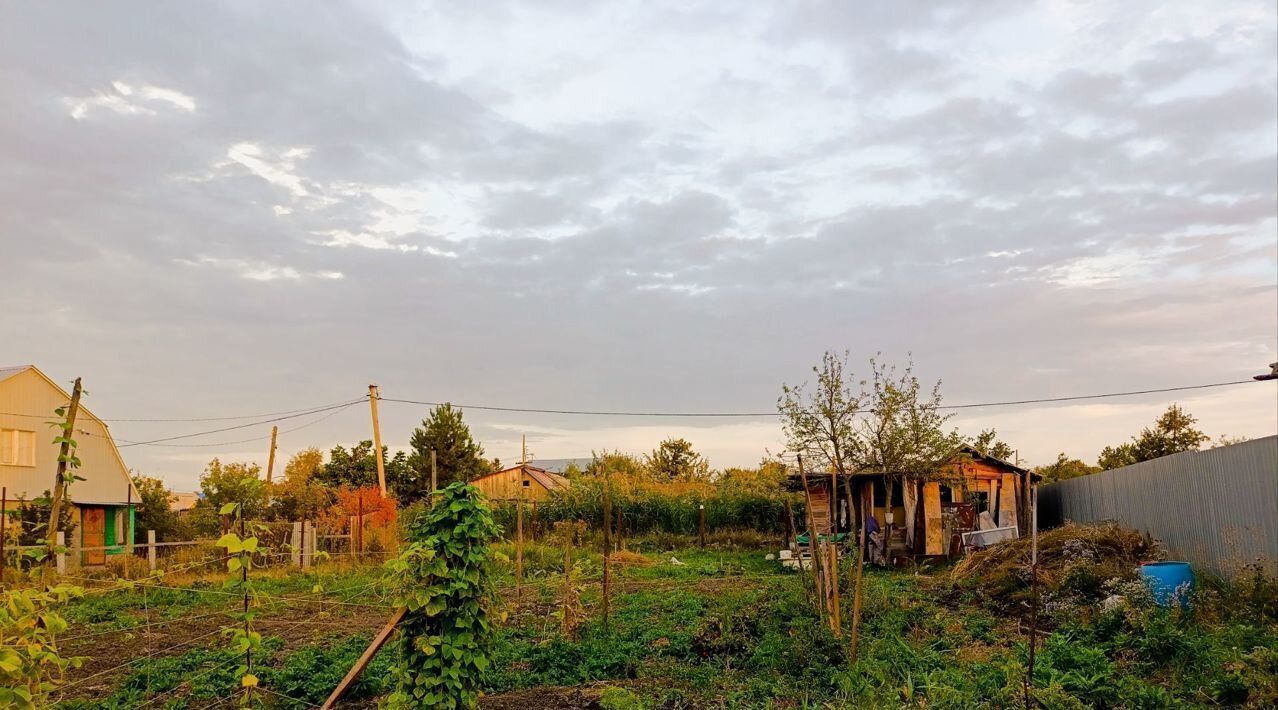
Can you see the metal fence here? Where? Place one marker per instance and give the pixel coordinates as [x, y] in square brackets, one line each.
[1217, 508]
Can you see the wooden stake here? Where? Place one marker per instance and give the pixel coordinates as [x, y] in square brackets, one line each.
[378, 641]
[812, 540]
[60, 480]
[835, 619]
[434, 476]
[377, 439]
[1029, 674]
[789, 524]
[4, 523]
[607, 545]
[866, 512]
[566, 627]
[519, 544]
[701, 524]
[360, 522]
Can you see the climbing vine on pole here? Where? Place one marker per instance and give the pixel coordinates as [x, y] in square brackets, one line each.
[442, 577]
[240, 549]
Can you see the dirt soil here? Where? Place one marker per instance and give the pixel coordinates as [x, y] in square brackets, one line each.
[553, 698]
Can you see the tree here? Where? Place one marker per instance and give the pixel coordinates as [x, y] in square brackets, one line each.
[988, 443]
[301, 495]
[1064, 468]
[820, 422]
[1172, 433]
[675, 460]
[357, 468]
[458, 457]
[616, 464]
[1227, 440]
[1116, 457]
[155, 510]
[903, 434]
[235, 482]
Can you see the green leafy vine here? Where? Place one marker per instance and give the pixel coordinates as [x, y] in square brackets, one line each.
[442, 578]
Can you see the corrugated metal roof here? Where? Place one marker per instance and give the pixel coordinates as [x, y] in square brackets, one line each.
[560, 465]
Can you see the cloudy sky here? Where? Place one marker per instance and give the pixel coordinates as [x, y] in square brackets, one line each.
[219, 209]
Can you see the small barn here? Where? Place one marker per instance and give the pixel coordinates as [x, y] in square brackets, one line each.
[524, 481]
[972, 491]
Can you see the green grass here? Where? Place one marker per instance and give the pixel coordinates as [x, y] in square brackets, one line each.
[679, 638]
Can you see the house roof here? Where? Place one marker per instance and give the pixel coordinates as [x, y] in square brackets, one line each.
[982, 456]
[549, 481]
[7, 371]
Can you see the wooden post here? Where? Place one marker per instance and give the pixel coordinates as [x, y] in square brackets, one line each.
[434, 476]
[519, 545]
[378, 641]
[150, 550]
[789, 524]
[1029, 673]
[270, 463]
[377, 439]
[60, 480]
[607, 544]
[812, 540]
[248, 652]
[62, 555]
[352, 542]
[4, 523]
[867, 509]
[128, 527]
[834, 553]
[360, 515]
[701, 524]
[306, 545]
[566, 627]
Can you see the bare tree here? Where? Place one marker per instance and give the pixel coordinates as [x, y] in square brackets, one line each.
[903, 435]
[820, 422]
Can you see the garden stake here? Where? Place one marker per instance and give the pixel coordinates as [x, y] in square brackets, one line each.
[812, 541]
[835, 619]
[866, 511]
[4, 523]
[519, 546]
[607, 544]
[1029, 674]
[65, 458]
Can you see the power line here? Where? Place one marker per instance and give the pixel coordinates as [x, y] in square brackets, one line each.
[193, 419]
[974, 405]
[313, 422]
[245, 426]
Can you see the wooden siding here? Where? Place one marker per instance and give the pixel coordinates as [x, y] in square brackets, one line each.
[106, 477]
[508, 485]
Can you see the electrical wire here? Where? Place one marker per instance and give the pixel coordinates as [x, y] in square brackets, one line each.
[343, 405]
[313, 422]
[974, 405]
[197, 419]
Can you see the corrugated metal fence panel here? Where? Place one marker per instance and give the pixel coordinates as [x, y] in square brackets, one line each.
[1216, 508]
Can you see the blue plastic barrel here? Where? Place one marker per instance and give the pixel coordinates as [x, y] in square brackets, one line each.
[1169, 582]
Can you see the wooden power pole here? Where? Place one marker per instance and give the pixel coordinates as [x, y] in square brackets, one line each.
[60, 481]
[270, 461]
[377, 440]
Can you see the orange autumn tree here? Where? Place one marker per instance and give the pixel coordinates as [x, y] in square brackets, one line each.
[379, 515]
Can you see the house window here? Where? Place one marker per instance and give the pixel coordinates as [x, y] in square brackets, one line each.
[527, 483]
[17, 447]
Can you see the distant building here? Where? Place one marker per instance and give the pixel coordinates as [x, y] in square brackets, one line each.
[180, 502]
[522, 481]
[103, 504]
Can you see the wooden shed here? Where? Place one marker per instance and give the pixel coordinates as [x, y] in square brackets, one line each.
[925, 517]
[522, 481]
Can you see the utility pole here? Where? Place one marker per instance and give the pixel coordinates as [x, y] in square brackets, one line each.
[60, 481]
[377, 439]
[270, 463]
[523, 450]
